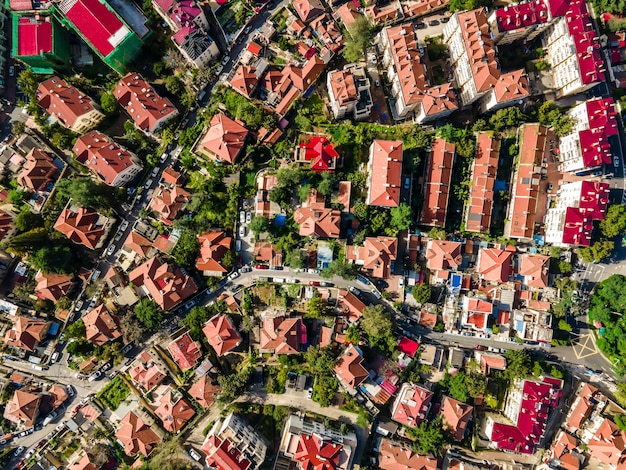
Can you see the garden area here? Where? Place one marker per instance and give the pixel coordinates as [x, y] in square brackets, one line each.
[115, 392]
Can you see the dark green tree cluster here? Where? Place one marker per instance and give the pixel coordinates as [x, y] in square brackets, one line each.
[186, 250]
[518, 364]
[378, 325]
[429, 437]
[233, 385]
[149, 314]
[359, 40]
[57, 259]
[549, 114]
[85, 192]
[239, 107]
[614, 223]
[597, 251]
[340, 268]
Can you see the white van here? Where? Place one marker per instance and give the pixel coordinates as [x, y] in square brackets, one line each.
[55, 357]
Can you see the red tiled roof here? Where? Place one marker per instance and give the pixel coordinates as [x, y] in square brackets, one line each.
[245, 80]
[221, 334]
[168, 201]
[396, 456]
[213, 247]
[443, 254]
[534, 268]
[385, 166]
[98, 24]
[101, 326]
[204, 391]
[281, 335]
[104, 156]
[79, 225]
[223, 455]
[489, 362]
[144, 105]
[38, 172]
[602, 121]
[411, 405]
[185, 351]
[138, 243]
[494, 264]
[583, 407]
[375, 255]
[225, 138]
[26, 333]
[408, 346]
[63, 101]
[146, 374]
[521, 16]
[350, 369]
[608, 444]
[321, 153]
[308, 9]
[350, 305]
[52, 286]
[136, 436]
[438, 179]
[593, 204]
[484, 170]
[315, 219]
[23, 408]
[315, 453]
[456, 416]
[174, 411]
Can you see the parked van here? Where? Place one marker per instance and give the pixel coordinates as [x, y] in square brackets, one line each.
[55, 357]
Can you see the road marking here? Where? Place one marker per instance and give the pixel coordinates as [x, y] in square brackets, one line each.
[584, 346]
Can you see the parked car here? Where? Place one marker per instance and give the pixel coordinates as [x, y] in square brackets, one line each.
[148, 183]
[79, 305]
[314, 271]
[70, 390]
[110, 249]
[55, 357]
[433, 22]
[420, 25]
[92, 303]
[11, 71]
[596, 173]
[248, 217]
[277, 268]
[354, 290]
[95, 376]
[238, 245]
[377, 294]
[48, 419]
[127, 348]
[314, 283]
[326, 284]
[106, 367]
[155, 171]
[245, 269]
[615, 161]
[261, 266]
[407, 182]
[309, 394]
[480, 347]
[190, 304]
[377, 83]
[163, 157]
[445, 19]
[118, 236]
[242, 231]
[195, 455]
[18, 451]
[225, 60]
[95, 275]
[233, 275]
[242, 217]
[247, 30]
[29, 454]
[124, 225]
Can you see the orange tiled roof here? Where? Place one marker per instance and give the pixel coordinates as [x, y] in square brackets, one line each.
[23, 408]
[484, 169]
[221, 334]
[185, 351]
[245, 80]
[63, 101]
[534, 268]
[38, 171]
[281, 335]
[608, 444]
[167, 202]
[315, 219]
[443, 254]
[396, 456]
[204, 391]
[100, 326]
[308, 9]
[350, 369]
[581, 412]
[494, 264]
[136, 436]
[52, 286]
[224, 139]
[438, 179]
[456, 416]
[213, 247]
[80, 226]
[138, 243]
[386, 171]
[174, 411]
[376, 255]
[411, 405]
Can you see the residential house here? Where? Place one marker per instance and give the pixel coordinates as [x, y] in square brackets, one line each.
[265, 252]
[569, 222]
[224, 140]
[347, 14]
[563, 452]
[349, 92]
[174, 411]
[52, 286]
[213, 247]
[533, 324]
[38, 172]
[146, 373]
[350, 368]
[404, 66]
[588, 398]
[167, 285]
[484, 170]
[309, 444]
[528, 406]
[476, 313]
[204, 390]
[245, 80]
[534, 270]
[7, 227]
[282, 335]
[148, 110]
[82, 225]
[138, 244]
[234, 444]
[263, 205]
[522, 214]
[398, 456]
[190, 29]
[412, 405]
[524, 21]
[168, 201]
[308, 10]
[587, 146]
[23, 408]
[135, 436]
[26, 333]
[490, 362]
[456, 416]
[377, 255]
[442, 257]
[185, 351]
[437, 185]
[315, 219]
[112, 163]
[349, 305]
[384, 173]
[68, 105]
[608, 445]
[477, 73]
[221, 334]
[319, 152]
[101, 326]
[327, 32]
[494, 264]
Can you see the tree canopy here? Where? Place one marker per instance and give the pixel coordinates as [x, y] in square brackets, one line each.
[360, 38]
[84, 192]
[340, 268]
[428, 437]
[518, 364]
[401, 217]
[149, 314]
[614, 223]
[421, 293]
[57, 259]
[186, 249]
[377, 323]
[597, 251]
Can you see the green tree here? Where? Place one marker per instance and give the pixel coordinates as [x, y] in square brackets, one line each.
[320, 360]
[174, 85]
[564, 326]
[378, 325]
[186, 249]
[316, 307]
[17, 196]
[324, 390]
[84, 192]
[18, 128]
[196, 319]
[294, 258]
[26, 220]
[303, 192]
[614, 223]
[340, 268]
[360, 39]
[506, 117]
[421, 293]
[457, 387]
[56, 259]
[620, 421]
[259, 225]
[428, 437]
[108, 103]
[28, 241]
[476, 385]
[361, 211]
[437, 233]
[75, 330]
[325, 186]
[401, 217]
[159, 68]
[353, 334]
[597, 251]
[149, 314]
[518, 364]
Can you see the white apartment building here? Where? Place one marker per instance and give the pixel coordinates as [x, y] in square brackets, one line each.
[349, 92]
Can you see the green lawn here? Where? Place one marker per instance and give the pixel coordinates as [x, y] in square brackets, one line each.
[114, 393]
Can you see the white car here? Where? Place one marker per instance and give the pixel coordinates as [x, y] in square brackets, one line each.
[95, 376]
[248, 217]
[148, 183]
[163, 157]
[314, 271]
[194, 455]
[225, 60]
[110, 249]
[70, 390]
[242, 217]
[155, 171]
[124, 226]
[354, 290]
[79, 305]
[309, 394]
[242, 231]
[233, 275]
[18, 451]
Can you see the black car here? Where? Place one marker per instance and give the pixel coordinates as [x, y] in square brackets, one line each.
[420, 25]
[445, 19]
[433, 22]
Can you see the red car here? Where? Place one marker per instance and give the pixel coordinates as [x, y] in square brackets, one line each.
[481, 347]
[261, 266]
[314, 283]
